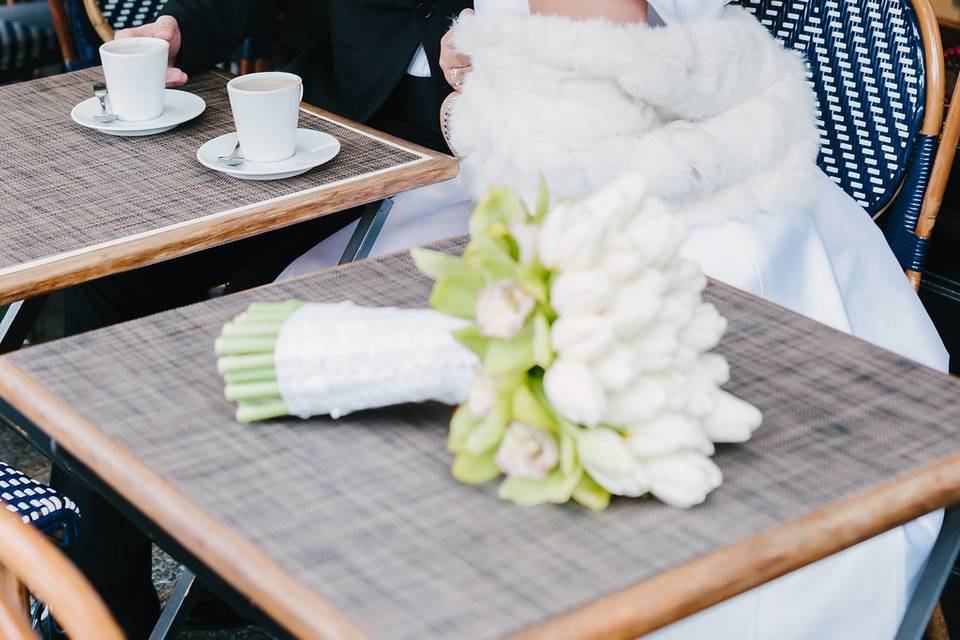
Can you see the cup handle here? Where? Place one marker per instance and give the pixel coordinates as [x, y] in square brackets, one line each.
[301, 91]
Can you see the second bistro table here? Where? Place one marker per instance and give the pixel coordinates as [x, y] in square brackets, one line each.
[79, 205]
[342, 528]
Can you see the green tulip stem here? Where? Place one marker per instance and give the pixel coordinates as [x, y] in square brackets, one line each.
[252, 391]
[248, 412]
[231, 364]
[230, 346]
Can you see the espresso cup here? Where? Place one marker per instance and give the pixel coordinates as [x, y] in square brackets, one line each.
[135, 70]
[266, 110]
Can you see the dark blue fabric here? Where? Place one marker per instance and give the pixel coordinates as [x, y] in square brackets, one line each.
[27, 38]
[38, 504]
[866, 64]
[901, 220]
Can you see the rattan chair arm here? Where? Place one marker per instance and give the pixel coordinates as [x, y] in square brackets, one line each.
[104, 30]
[14, 624]
[54, 580]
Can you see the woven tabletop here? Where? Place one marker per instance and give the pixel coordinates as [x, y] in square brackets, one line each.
[68, 189]
[364, 511]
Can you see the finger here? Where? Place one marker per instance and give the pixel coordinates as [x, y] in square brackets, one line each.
[176, 77]
[165, 27]
[466, 12]
[457, 59]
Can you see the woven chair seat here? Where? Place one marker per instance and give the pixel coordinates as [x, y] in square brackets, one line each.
[124, 14]
[37, 504]
[27, 37]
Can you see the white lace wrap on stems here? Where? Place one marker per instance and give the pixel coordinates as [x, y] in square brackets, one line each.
[334, 359]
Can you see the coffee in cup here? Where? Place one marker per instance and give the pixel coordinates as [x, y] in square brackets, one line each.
[266, 110]
[135, 70]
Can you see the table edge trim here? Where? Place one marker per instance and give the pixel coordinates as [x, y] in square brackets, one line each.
[286, 600]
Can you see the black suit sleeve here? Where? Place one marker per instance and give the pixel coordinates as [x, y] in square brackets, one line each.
[211, 29]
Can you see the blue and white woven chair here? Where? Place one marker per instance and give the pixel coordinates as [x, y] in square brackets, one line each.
[877, 69]
[88, 23]
[53, 514]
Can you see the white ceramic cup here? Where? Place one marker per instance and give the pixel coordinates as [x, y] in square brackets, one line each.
[136, 73]
[266, 110]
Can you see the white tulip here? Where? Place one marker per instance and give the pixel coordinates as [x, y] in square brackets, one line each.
[618, 203]
[699, 392]
[481, 396]
[686, 278]
[569, 240]
[704, 330]
[502, 309]
[582, 338]
[715, 366]
[683, 479]
[527, 237]
[667, 433]
[605, 456]
[642, 400]
[575, 392]
[659, 339]
[636, 304]
[732, 420]
[657, 234]
[527, 452]
[580, 292]
[621, 266]
[616, 369]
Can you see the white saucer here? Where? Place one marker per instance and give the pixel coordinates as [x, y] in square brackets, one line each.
[313, 149]
[178, 107]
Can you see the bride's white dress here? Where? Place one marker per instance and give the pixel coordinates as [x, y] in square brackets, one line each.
[831, 264]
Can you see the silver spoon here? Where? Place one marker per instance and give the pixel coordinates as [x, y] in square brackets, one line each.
[234, 159]
[104, 117]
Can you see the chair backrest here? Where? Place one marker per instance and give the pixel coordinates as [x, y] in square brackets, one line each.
[865, 61]
[35, 561]
[109, 16]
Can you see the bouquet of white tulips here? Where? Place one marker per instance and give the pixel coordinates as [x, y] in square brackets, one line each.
[593, 339]
[574, 339]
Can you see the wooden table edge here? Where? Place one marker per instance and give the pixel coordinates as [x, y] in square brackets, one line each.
[287, 601]
[631, 612]
[63, 270]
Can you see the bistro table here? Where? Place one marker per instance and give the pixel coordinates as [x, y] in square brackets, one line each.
[343, 528]
[78, 204]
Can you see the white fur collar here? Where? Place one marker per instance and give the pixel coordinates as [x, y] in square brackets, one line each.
[717, 115]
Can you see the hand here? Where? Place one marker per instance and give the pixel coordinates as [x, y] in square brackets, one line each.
[165, 28]
[455, 65]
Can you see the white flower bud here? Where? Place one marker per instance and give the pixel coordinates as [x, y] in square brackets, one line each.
[732, 419]
[481, 396]
[686, 278]
[616, 369]
[683, 479]
[704, 330]
[575, 392]
[642, 400]
[605, 456]
[636, 304]
[527, 236]
[715, 366]
[659, 339]
[668, 433]
[582, 338]
[527, 452]
[502, 309]
[570, 240]
[580, 292]
[657, 234]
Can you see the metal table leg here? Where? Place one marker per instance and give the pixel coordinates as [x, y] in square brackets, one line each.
[932, 578]
[178, 607]
[367, 231]
[18, 320]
